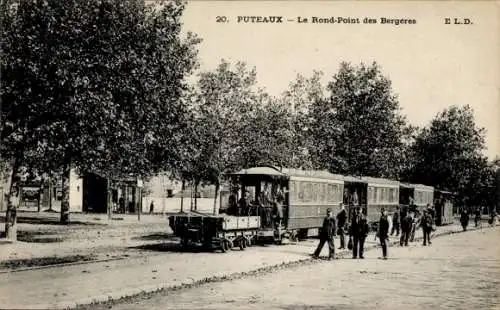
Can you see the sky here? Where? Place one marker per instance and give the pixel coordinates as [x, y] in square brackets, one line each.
[432, 65]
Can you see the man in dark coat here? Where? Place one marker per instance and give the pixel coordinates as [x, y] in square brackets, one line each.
[358, 231]
[383, 232]
[326, 235]
[395, 222]
[406, 224]
[464, 219]
[477, 216]
[341, 221]
[427, 227]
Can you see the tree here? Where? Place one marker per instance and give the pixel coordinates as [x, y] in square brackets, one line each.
[448, 153]
[93, 85]
[222, 101]
[267, 135]
[302, 94]
[357, 130]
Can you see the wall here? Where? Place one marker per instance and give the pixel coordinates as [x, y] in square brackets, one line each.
[75, 192]
[174, 204]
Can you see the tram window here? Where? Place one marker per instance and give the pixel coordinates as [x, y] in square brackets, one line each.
[300, 191]
[307, 191]
[329, 195]
[321, 189]
[315, 192]
[341, 191]
[370, 194]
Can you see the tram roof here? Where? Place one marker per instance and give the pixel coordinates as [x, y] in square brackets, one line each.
[351, 179]
[379, 181]
[261, 171]
[416, 186]
[289, 172]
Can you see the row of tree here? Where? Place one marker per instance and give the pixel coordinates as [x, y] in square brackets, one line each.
[101, 86]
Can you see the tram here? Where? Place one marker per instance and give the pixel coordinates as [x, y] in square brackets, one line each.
[269, 204]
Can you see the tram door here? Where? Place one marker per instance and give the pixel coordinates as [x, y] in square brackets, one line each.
[355, 195]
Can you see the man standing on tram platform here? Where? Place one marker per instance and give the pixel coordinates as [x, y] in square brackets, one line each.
[326, 235]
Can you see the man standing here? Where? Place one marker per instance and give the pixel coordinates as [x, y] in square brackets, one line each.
[383, 232]
[464, 219]
[341, 221]
[326, 235]
[427, 227]
[477, 217]
[395, 222]
[406, 224]
[358, 231]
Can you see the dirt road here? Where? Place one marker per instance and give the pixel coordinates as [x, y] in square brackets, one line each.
[460, 271]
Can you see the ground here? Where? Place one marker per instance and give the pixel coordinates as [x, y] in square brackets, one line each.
[131, 261]
[459, 271]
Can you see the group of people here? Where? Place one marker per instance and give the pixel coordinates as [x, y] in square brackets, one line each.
[268, 205]
[464, 217]
[358, 229]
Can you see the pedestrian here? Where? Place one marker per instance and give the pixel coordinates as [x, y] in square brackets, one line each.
[151, 207]
[326, 235]
[358, 231]
[341, 222]
[396, 222]
[464, 219]
[427, 227]
[383, 232]
[416, 223]
[477, 217]
[406, 224]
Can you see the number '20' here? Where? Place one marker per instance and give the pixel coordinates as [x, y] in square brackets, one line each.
[221, 19]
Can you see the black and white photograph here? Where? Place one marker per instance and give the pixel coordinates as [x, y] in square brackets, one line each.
[217, 154]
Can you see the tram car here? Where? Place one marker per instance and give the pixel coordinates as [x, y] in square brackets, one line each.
[305, 197]
[415, 198]
[270, 205]
[443, 204]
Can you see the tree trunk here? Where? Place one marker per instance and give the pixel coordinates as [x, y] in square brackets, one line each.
[217, 187]
[191, 191]
[196, 195]
[40, 193]
[11, 214]
[65, 194]
[182, 196]
[109, 198]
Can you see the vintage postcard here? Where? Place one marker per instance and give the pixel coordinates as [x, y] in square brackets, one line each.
[249, 154]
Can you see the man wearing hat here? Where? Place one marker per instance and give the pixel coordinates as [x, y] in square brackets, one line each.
[358, 231]
[383, 232]
[326, 235]
[341, 221]
[426, 223]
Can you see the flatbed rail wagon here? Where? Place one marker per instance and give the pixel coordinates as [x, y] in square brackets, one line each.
[216, 231]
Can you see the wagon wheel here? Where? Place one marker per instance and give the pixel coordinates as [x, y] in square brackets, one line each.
[248, 242]
[184, 242]
[224, 246]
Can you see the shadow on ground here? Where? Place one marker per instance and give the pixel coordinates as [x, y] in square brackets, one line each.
[45, 261]
[174, 245]
[153, 237]
[49, 221]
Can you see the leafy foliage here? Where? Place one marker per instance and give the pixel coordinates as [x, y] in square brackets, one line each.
[358, 130]
[95, 85]
[302, 94]
[448, 154]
